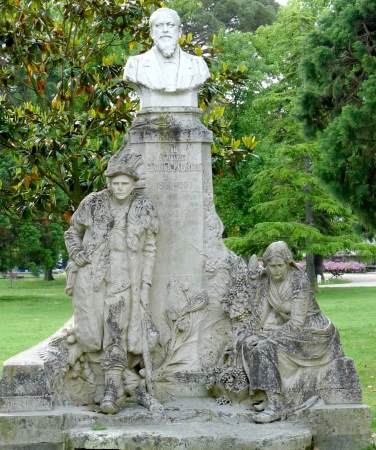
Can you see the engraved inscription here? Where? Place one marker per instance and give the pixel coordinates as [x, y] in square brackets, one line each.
[172, 162]
[182, 186]
[24, 403]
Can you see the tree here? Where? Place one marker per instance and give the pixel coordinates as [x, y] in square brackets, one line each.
[338, 101]
[7, 244]
[40, 245]
[63, 106]
[205, 18]
[32, 244]
[286, 199]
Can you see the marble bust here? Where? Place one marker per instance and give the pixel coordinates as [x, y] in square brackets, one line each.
[166, 75]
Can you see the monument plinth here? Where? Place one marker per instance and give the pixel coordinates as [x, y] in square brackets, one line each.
[176, 150]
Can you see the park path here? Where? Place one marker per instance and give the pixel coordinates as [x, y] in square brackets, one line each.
[356, 280]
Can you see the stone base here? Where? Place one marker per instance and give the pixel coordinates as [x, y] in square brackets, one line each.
[189, 424]
[195, 436]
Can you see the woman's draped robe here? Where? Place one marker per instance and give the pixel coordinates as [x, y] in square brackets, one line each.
[296, 341]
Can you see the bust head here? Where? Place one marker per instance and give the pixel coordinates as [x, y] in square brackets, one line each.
[165, 30]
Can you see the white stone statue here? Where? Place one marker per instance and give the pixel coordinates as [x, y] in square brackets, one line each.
[112, 244]
[166, 75]
[289, 350]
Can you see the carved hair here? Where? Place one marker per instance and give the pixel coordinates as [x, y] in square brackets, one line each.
[278, 249]
[159, 12]
[124, 164]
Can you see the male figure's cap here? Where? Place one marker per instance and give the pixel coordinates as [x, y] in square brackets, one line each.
[123, 166]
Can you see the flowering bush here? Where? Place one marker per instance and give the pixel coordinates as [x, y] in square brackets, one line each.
[344, 267]
[335, 267]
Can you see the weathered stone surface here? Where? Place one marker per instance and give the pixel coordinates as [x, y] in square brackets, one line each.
[290, 351]
[32, 378]
[194, 436]
[332, 427]
[25, 403]
[191, 257]
[31, 429]
[112, 242]
[337, 427]
[41, 446]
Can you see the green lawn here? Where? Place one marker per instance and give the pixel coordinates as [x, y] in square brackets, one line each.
[337, 281]
[353, 311]
[31, 310]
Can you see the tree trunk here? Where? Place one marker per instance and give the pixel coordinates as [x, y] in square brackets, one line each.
[310, 269]
[48, 276]
[310, 259]
[319, 266]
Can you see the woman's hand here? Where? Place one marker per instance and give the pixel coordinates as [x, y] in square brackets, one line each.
[251, 341]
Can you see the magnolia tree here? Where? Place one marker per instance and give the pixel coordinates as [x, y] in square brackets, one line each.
[64, 108]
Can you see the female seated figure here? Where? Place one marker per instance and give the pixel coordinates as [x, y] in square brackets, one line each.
[290, 350]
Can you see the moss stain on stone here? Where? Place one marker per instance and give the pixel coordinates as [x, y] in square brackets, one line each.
[8, 432]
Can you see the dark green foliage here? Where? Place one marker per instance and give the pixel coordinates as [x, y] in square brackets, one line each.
[64, 108]
[205, 18]
[338, 101]
[63, 105]
[40, 245]
[278, 195]
[35, 245]
[232, 201]
[7, 244]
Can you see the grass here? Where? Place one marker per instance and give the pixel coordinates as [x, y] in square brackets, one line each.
[32, 309]
[353, 311]
[336, 281]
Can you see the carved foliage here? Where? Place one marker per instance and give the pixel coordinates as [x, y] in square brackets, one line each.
[182, 323]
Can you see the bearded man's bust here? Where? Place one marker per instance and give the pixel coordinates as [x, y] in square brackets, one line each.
[166, 69]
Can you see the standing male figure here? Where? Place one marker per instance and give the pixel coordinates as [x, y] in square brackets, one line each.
[112, 244]
[166, 67]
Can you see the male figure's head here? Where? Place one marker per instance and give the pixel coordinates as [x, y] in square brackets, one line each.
[122, 176]
[121, 186]
[165, 30]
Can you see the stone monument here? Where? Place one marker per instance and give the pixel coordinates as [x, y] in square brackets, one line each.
[165, 315]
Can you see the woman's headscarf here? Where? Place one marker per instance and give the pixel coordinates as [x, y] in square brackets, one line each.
[278, 249]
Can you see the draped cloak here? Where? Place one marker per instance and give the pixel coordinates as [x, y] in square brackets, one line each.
[121, 253]
[295, 340]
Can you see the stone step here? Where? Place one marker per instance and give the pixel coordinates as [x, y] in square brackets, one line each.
[333, 427]
[193, 435]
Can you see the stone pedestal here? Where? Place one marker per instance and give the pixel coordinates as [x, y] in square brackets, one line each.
[191, 256]
[189, 424]
[175, 148]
